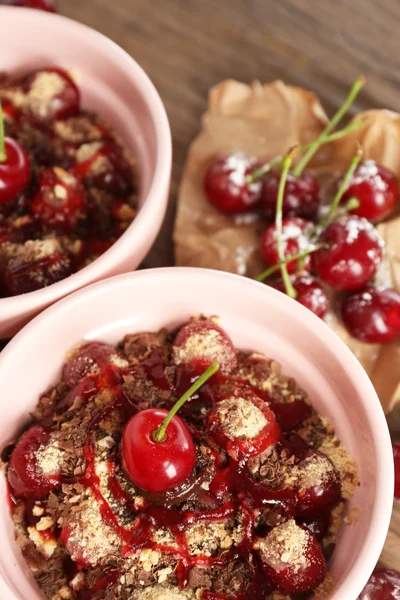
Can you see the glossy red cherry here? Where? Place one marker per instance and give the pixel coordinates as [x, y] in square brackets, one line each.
[205, 342]
[310, 293]
[226, 187]
[301, 197]
[157, 466]
[295, 238]
[39, 4]
[373, 315]
[90, 358]
[319, 486]
[51, 94]
[15, 171]
[396, 456]
[292, 558]
[376, 188]
[352, 254]
[25, 477]
[108, 170]
[384, 584]
[21, 277]
[243, 423]
[290, 414]
[59, 199]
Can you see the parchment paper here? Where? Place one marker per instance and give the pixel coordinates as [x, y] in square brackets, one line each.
[265, 121]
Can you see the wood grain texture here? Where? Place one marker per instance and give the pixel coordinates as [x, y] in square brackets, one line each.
[187, 46]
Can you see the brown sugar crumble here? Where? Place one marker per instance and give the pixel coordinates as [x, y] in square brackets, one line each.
[81, 189]
[239, 529]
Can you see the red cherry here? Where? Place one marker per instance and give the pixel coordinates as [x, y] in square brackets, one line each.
[243, 423]
[295, 238]
[15, 171]
[384, 584]
[373, 315]
[226, 187]
[301, 197]
[319, 485]
[25, 477]
[59, 199]
[290, 415]
[157, 466]
[115, 174]
[90, 358]
[292, 558]
[396, 456]
[39, 4]
[51, 94]
[376, 189]
[352, 256]
[310, 293]
[206, 342]
[21, 277]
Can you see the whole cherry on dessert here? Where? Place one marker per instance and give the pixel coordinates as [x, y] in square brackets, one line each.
[376, 189]
[295, 238]
[157, 448]
[351, 254]
[59, 199]
[319, 486]
[396, 456]
[226, 186]
[15, 171]
[51, 94]
[372, 315]
[39, 4]
[88, 359]
[310, 293]
[301, 198]
[114, 173]
[26, 478]
[384, 584]
[201, 343]
[292, 558]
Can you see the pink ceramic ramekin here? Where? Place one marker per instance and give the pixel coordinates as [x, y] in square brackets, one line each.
[113, 84]
[257, 317]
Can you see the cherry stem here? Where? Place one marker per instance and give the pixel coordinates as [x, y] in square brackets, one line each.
[160, 434]
[351, 205]
[296, 256]
[3, 155]
[355, 89]
[266, 168]
[286, 164]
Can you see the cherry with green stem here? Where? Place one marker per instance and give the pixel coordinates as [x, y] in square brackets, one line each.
[15, 169]
[157, 448]
[292, 257]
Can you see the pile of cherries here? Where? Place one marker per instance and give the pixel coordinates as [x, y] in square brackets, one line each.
[336, 246]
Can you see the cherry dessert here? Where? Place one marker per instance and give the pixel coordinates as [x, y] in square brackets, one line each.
[226, 186]
[372, 315]
[376, 189]
[234, 499]
[351, 255]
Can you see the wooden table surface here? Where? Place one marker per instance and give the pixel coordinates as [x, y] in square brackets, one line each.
[187, 46]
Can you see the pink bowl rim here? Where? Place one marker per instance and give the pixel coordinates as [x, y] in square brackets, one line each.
[382, 509]
[156, 200]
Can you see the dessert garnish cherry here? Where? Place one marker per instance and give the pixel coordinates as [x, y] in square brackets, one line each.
[114, 174]
[376, 188]
[384, 584]
[226, 186]
[200, 343]
[89, 358]
[15, 169]
[372, 315]
[295, 239]
[51, 94]
[157, 447]
[396, 456]
[319, 486]
[309, 293]
[26, 478]
[351, 254]
[292, 558]
[59, 199]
